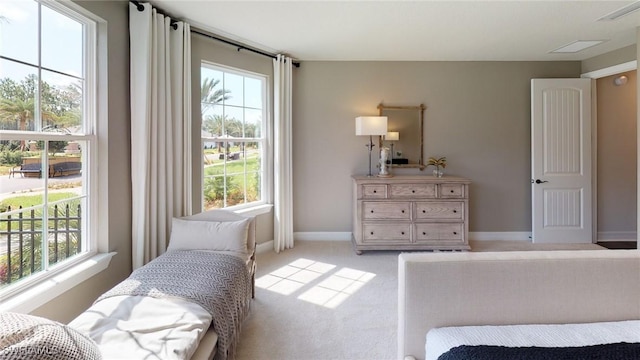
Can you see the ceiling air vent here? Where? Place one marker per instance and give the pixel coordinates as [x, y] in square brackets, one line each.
[577, 46]
[621, 12]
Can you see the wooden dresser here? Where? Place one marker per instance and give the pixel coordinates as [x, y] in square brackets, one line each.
[410, 213]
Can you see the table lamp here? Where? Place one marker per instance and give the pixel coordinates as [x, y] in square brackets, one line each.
[371, 125]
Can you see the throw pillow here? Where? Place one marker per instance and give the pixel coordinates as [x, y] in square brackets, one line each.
[209, 235]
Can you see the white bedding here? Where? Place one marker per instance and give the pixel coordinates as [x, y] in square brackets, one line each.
[441, 340]
[141, 327]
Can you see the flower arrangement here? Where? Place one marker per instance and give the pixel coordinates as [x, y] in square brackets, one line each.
[440, 162]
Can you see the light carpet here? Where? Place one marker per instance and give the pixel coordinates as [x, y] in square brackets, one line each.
[321, 301]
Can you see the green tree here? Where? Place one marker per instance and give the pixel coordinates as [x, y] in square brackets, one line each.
[54, 146]
[214, 125]
[211, 95]
[21, 111]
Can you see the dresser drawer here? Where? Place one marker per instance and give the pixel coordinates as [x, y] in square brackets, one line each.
[452, 210]
[374, 191]
[383, 210]
[413, 190]
[445, 231]
[384, 232]
[454, 191]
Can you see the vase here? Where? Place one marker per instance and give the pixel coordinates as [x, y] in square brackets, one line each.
[438, 172]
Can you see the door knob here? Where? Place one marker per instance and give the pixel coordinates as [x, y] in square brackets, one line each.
[538, 181]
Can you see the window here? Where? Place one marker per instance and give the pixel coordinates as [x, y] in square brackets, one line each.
[233, 137]
[47, 141]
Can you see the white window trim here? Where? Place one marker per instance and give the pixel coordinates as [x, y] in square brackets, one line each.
[265, 205]
[59, 280]
[254, 210]
[58, 283]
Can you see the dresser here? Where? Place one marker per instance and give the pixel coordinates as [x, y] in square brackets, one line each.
[412, 212]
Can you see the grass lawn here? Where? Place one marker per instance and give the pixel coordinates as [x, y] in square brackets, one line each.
[233, 167]
[215, 182]
[34, 200]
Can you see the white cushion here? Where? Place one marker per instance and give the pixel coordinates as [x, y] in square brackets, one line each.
[209, 235]
[226, 215]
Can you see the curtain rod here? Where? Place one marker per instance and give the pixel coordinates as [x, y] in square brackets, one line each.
[239, 46]
[140, 7]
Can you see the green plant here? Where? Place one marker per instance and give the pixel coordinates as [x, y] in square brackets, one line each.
[13, 158]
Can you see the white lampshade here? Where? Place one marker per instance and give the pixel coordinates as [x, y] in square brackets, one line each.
[371, 125]
[392, 136]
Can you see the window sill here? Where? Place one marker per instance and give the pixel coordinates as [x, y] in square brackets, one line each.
[255, 210]
[38, 295]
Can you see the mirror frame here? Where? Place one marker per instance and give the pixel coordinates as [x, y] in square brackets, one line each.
[420, 108]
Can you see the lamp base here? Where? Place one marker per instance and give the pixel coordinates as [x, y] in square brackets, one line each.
[384, 175]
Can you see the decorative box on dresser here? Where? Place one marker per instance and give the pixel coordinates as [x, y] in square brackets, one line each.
[412, 212]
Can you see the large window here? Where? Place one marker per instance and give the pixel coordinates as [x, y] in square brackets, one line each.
[233, 137]
[47, 140]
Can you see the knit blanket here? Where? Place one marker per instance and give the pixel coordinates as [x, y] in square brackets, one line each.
[616, 351]
[219, 283]
[25, 336]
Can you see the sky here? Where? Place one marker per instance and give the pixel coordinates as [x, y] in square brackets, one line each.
[61, 42]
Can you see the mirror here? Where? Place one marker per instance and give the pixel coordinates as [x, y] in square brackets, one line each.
[404, 123]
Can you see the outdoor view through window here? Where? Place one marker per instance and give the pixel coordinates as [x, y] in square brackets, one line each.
[45, 137]
[233, 137]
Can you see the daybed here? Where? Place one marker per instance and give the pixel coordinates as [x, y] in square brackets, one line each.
[164, 309]
[440, 294]
[188, 303]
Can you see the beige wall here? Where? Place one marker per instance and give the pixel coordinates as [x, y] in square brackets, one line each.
[68, 305]
[205, 49]
[616, 154]
[478, 116]
[612, 58]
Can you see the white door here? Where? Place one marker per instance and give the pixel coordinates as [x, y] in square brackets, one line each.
[561, 161]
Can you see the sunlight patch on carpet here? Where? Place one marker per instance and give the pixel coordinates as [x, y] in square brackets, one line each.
[289, 278]
[329, 292]
[332, 291]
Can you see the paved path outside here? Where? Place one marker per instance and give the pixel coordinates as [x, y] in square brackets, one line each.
[11, 186]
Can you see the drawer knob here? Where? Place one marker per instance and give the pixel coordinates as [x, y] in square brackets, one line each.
[372, 233]
[402, 233]
[455, 233]
[372, 211]
[413, 191]
[455, 211]
[424, 211]
[424, 233]
[375, 191]
[403, 211]
[452, 191]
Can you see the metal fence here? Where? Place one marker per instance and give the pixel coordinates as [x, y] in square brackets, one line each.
[22, 240]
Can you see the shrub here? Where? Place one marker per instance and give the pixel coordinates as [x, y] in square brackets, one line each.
[12, 158]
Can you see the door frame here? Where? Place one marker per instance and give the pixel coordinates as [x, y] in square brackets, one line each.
[594, 75]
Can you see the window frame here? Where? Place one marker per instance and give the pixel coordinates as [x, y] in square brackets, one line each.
[38, 288]
[263, 205]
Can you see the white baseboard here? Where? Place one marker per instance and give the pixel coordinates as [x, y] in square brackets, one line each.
[501, 235]
[604, 236]
[264, 247]
[476, 236]
[322, 236]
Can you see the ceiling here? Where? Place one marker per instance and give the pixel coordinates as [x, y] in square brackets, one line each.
[413, 30]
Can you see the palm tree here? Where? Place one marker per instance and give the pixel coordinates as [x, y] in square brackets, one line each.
[21, 111]
[210, 96]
